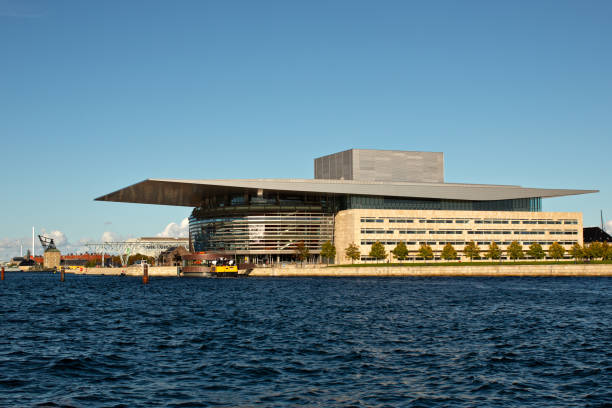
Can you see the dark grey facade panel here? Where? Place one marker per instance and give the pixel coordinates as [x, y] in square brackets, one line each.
[337, 166]
[382, 165]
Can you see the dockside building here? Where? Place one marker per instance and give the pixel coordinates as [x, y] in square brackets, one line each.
[358, 196]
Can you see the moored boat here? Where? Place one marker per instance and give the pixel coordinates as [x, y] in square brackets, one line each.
[210, 265]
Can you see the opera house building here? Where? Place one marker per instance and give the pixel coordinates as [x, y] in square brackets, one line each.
[358, 196]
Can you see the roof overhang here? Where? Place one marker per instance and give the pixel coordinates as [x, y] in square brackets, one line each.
[190, 193]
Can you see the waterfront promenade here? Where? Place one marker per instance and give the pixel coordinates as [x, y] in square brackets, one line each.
[506, 269]
[167, 271]
[443, 270]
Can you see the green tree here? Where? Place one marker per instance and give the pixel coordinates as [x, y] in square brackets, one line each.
[115, 260]
[594, 250]
[352, 252]
[378, 251]
[140, 257]
[515, 251]
[328, 251]
[426, 252]
[471, 250]
[448, 252]
[400, 251]
[556, 251]
[301, 251]
[535, 251]
[494, 251]
[576, 252]
[606, 251]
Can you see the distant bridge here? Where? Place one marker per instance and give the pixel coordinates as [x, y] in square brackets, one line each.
[146, 246]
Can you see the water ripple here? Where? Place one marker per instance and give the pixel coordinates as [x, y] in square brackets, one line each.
[422, 342]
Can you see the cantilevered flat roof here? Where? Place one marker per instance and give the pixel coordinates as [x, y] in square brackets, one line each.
[190, 193]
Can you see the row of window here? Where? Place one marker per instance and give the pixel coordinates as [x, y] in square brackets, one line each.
[497, 232]
[437, 258]
[483, 243]
[529, 242]
[470, 232]
[377, 231]
[266, 232]
[395, 203]
[465, 221]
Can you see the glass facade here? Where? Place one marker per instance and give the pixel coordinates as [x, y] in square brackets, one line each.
[395, 203]
[271, 223]
[275, 222]
[265, 233]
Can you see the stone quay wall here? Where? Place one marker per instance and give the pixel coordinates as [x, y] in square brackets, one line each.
[484, 270]
[128, 271]
[383, 270]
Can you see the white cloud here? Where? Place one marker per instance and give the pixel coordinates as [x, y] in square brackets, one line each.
[175, 230]
[109, 236]
[59, 238]
[608, 226]
[62, 242]
[11, 247]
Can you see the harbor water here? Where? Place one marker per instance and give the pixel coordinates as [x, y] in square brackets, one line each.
[111, 341]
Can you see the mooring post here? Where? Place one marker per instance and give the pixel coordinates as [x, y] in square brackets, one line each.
[2, 274]
[145, 273]
[62, 271]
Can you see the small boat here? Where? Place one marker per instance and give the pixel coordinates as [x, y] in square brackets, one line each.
[218, 268]
[224, 271]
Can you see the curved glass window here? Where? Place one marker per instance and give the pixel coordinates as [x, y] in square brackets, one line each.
[271, 233]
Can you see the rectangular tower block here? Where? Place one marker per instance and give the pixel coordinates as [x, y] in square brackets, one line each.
[381, 165]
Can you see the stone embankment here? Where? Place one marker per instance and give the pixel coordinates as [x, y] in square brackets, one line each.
[128, 271]
[484, 270]
[477, 270]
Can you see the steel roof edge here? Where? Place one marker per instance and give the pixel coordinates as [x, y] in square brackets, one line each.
[141, 192]
[240, 183]
[327, 181]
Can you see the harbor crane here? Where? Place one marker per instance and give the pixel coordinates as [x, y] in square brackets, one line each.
[46, 242]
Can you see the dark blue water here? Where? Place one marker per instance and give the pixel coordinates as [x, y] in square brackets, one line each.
[110, 341]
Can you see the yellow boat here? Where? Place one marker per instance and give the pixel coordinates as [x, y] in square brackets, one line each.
[224, 270]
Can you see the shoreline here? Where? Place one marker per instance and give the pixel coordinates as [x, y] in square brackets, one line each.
[603, 270]
[505, 270]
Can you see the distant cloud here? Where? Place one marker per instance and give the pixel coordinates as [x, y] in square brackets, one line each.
[11, 247]
[58, 237]
[608, 226]
[62, 242]
[109, 236]
[175, 230]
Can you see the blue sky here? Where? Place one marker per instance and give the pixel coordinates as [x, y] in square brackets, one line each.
[95, 96]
